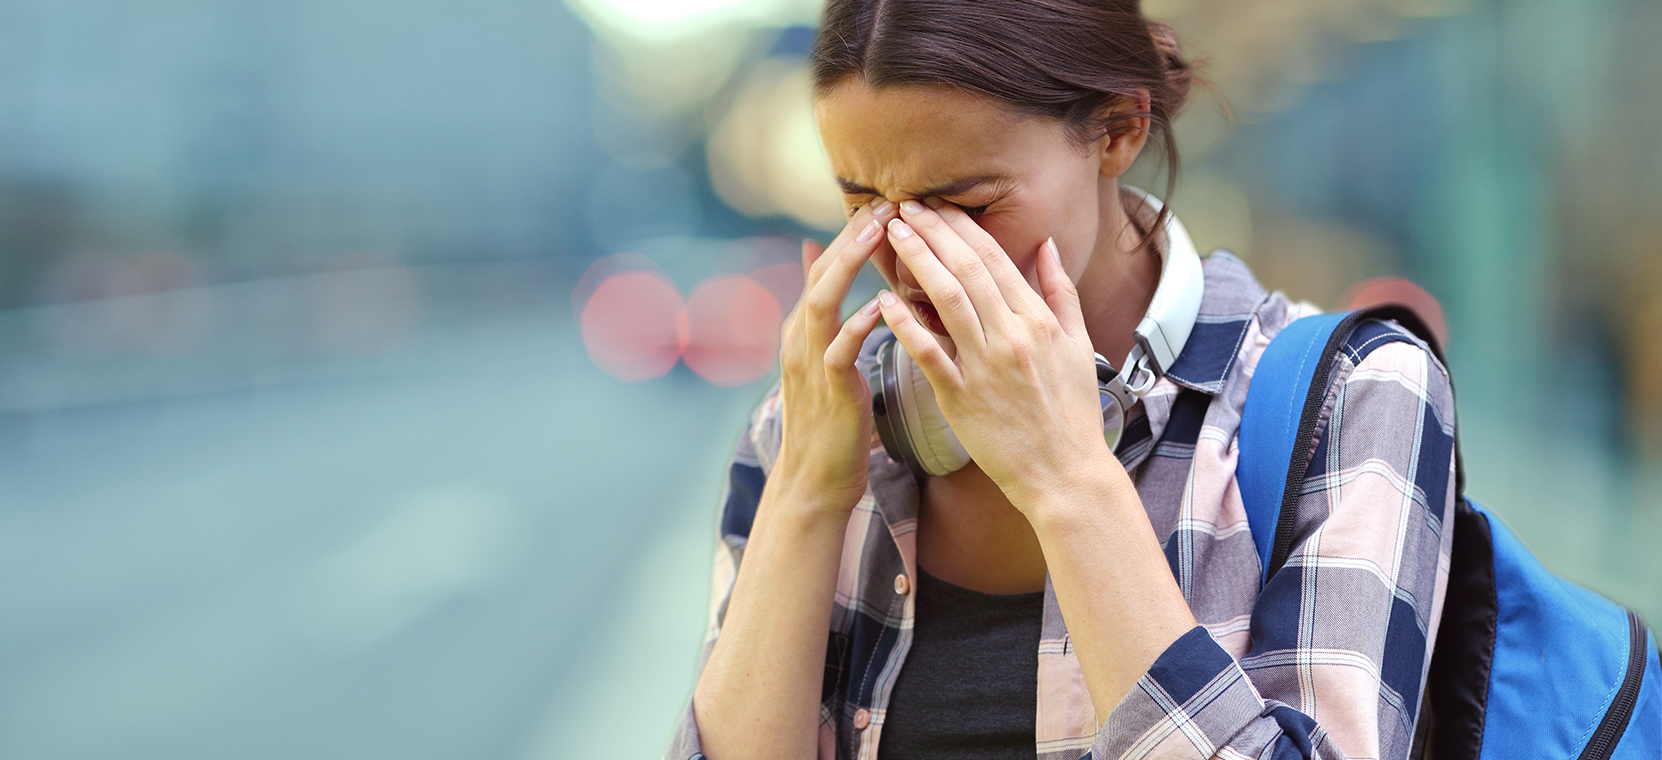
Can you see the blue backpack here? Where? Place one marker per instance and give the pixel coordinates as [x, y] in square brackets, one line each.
[1526, 664]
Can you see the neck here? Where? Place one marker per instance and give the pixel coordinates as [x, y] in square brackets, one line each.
[1119, 282]
[970, 535]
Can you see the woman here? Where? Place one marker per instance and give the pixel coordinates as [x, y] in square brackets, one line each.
[1059, 594]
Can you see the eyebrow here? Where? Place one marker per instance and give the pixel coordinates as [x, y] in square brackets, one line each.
[955, 187]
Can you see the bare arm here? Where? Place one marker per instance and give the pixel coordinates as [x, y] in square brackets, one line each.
[759, 693]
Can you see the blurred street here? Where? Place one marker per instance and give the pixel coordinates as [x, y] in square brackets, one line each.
[476, 546]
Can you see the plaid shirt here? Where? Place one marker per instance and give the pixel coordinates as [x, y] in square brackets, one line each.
[1326, 660]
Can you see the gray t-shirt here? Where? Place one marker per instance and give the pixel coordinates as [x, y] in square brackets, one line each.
[969, 688]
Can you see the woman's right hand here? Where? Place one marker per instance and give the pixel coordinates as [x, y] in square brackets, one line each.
[826, 407]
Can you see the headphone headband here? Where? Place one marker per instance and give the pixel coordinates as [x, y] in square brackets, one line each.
[1165, 328]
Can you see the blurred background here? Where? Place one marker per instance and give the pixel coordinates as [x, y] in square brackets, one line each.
[367, 368]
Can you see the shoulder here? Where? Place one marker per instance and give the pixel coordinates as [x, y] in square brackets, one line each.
[1388, 407]
[1386, 377]
[1381, 351]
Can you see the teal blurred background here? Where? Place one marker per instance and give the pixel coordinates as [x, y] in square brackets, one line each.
[313, 441]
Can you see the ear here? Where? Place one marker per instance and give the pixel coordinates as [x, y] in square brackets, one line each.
[1118, 149]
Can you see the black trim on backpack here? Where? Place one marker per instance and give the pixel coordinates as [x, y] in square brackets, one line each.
[1615, 721]
[1457, 685]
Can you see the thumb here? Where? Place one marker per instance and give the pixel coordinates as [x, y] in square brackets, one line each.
[1059, 292]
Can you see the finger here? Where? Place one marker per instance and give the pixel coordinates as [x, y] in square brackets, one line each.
[959, 258]
[823, 302]
[951, 301]
[811, 251]
[845, 348]
[1011, 283]
[938, 368]
[1060, 293]
[857, 224]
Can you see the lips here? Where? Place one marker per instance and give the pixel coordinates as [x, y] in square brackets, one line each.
[931, 318]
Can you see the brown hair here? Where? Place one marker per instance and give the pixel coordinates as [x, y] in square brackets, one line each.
[1068, 60]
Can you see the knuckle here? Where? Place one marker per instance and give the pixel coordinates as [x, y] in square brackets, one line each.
[819, 302]
[954, 299]
[1021, 350]
[817, 271]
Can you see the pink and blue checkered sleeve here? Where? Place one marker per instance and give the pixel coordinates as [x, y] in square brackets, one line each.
[1341, 635]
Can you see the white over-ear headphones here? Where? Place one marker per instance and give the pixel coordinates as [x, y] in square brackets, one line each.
[910, 423]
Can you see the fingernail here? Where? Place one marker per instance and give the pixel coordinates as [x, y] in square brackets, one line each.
[887, 298]
[872, 230]
[900, 230]
[933, 202]
[882, 209]
[1050, 245]
[911, 207]
[871, 306]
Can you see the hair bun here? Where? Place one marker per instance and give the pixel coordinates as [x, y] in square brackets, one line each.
[1178, 72]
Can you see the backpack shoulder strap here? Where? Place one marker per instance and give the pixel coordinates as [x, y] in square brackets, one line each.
[1273, 424]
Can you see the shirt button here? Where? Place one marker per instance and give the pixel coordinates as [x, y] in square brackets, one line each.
[902, 584]
[862, 718]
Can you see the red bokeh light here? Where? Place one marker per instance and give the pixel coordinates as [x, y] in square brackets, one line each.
[784, 280]
[733, 334]
[1381, 290]
[634, 325]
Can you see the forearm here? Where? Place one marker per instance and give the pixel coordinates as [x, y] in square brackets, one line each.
[759, 694]
[1116, 592]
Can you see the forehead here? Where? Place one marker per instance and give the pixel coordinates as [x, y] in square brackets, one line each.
[902, 140]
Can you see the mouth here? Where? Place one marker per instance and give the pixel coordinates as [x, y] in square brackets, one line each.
[930, 318]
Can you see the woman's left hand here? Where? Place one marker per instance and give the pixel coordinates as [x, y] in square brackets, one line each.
[1021, 394]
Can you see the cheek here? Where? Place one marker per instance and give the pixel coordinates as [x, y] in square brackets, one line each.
[1075, 237]
[1021, 243]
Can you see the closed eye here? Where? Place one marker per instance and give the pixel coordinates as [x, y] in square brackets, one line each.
[975, 211]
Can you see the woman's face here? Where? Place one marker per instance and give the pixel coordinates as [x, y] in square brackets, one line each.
[1023, 179]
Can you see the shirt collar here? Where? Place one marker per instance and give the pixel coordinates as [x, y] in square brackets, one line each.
[1227, 304]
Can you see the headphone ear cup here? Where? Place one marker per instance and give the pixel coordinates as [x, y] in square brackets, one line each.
[936, 447]
[1116, 401]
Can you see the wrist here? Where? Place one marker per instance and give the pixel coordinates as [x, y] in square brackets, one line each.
[1092, 489]
[795, 491]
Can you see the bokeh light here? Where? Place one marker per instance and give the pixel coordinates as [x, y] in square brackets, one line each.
[1384, 290]
[785, 280]
[634, 325]
[734, 330]
[664, 21]
[765, 155]
[149, 303]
